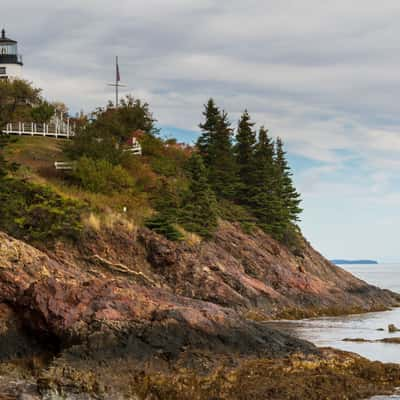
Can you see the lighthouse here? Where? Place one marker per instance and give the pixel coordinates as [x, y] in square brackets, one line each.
[10, 61]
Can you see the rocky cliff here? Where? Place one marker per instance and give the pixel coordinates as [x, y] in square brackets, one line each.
[251, 274]
[122, 309]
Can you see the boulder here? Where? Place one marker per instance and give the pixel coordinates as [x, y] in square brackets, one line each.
[392, 328]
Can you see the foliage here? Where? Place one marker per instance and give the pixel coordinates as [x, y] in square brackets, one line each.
[35, 213]
[6, 167]
[264, 200]
[104, 136]
[245, 153]
[265, 189]
[42, 113]
[167, 201]
[215, 147]
[286, 190]
[199, 208]
[93, 143]
[162, 225]
[152, 146]
[101, 176]
[192, 205]
[208, 128]
[235, 176]
[15, 95]
[232, 212]
[131, 115]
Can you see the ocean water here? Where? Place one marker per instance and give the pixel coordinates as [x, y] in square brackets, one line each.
[330, 332]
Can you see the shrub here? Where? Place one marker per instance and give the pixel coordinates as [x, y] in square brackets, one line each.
[42, 113]
[100, 176]
[161, 225]
[35, 213]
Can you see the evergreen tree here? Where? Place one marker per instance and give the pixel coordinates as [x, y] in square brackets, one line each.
[161, 225]
[199, 212]
[169, 200]
[285, 187]
[167, 203]
[264, 200]
[244, 150]
[204, 143]
[222, 170]
[215, 147]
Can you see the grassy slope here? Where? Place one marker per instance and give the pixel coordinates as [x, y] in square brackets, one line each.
[36, 157]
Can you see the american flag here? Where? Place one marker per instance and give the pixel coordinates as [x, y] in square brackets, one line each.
[118, 75]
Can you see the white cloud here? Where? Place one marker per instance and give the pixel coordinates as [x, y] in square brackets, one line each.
[323, 75]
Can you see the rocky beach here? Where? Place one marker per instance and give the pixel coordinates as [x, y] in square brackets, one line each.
[128, 314]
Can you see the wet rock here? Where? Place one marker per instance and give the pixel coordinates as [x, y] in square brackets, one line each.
[115, 311]
[18, 389]
[392, 328]
[395, 340]
[148, 321]
[357, 340]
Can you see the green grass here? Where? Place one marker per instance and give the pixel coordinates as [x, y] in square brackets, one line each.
[35, 152]
[36, 157]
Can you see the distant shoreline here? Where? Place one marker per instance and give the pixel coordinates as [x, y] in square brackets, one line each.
[347, 262]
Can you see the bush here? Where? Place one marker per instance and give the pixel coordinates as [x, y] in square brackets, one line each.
[100, 176]
[161, 225]
[35, 213]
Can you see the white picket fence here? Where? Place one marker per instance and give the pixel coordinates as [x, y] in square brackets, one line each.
[135, 149]
[64, 165]
[60, 129]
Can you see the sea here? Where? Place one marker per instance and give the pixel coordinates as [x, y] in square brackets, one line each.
[330, 331]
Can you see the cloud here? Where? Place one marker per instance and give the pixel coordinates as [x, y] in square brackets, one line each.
[322, 75]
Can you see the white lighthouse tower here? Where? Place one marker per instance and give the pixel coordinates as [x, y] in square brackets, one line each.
[10, 61]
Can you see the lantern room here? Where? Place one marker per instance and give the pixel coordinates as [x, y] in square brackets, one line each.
[10, 61]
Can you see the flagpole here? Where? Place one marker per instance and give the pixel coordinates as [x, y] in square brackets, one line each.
[116, 83]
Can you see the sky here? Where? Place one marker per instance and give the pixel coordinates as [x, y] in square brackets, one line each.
[324, 76]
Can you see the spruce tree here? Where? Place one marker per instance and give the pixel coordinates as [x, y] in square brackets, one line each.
[199, 212]
[285, 187]
[167, 203]
[215, 147]
[222, 170]
[208, 128]
[244, 150]
[264, 200]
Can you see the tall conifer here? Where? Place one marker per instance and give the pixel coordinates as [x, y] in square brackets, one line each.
[246, 140]
[285, 187]
[199, 212]
[208, 128]
[265, 203]
[215, 147]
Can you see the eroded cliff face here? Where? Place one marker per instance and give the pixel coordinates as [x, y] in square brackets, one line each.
[72, 301]
[106, 314]
[252, 274]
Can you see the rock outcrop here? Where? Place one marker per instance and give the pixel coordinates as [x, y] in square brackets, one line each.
[119, 308]
[252, 274]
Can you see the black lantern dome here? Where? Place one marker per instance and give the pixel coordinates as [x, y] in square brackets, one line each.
[9, 50]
